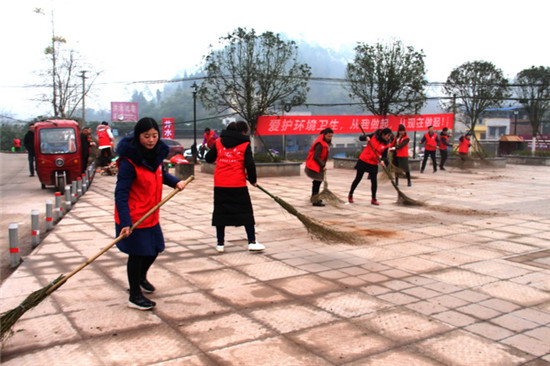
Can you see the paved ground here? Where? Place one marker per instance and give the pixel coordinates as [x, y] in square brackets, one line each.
[462, 281]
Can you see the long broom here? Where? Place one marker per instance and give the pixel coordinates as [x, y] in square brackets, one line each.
[314, 227]
[8, 318]
[401, 197]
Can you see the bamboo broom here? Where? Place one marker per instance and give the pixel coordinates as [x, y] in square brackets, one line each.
[8, 318]
[327, 195]
[314, 227]
[401, 197]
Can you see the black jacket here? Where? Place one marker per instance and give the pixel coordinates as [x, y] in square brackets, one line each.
[28, 141]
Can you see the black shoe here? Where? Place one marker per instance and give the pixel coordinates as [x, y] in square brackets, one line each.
[421, 170]
[409, 184]
[442, 168]
[319, 204]
[140, 302]
[31, 175]
[146, 286]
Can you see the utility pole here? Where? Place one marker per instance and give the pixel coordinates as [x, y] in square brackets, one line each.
[83, 76]
[195, 87]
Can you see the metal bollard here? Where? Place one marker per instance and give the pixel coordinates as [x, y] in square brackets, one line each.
[35, 228]
[15, 257]
[79, 187]
[58, 207]
[49, 215]
[68, 203]
[84, 183]
[74, 194]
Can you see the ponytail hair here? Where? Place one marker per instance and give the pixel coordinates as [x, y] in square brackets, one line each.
[326, 130]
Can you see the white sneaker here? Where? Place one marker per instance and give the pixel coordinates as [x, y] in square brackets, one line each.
[255, 247]
[220, 248]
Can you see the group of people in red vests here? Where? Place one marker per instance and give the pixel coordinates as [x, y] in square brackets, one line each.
[375, 154]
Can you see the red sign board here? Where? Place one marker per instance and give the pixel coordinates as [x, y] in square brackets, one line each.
[168, 128]
[124, 112]
[312, 125]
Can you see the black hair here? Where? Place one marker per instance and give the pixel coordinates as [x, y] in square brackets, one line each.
[326, 130]
[241, 126]
[104, 123]
[145, 124]
[429, 127]
[445, 129]
[207, 129]
[401, 128]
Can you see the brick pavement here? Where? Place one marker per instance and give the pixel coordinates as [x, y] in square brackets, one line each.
[462, 281]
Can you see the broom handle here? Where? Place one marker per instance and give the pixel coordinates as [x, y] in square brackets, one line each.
[119, 238]
[379, 159]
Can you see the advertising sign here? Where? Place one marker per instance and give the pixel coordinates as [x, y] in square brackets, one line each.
[168, 128]
[124, 112]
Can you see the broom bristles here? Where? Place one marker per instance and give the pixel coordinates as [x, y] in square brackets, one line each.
[8, 318]
[327, 195]
[314, 227]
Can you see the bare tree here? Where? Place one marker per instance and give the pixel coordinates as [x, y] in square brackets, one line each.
[534, 94]
[477, 85]
[389, 79]
[252, 73]
[67, 92]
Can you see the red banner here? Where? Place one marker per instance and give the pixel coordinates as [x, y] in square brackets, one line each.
[124, 112]
[168, 128]
[312, 125]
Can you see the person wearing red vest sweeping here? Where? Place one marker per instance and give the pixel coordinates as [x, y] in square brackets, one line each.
[443, 147]
[377, 144]
[401, 146]
[430, 141]
[464, 146]
[138, 189]
[316, 163]
[234, 165]
[104, 143]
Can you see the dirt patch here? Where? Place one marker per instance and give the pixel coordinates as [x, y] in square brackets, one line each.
[377, 233]
[461, 211]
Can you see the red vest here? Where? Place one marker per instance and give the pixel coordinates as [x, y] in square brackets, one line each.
[145, 193]
[463, 145]
[310, 162]
[210, 140]
[230, 170]
[404, 151]
[443, 140]
[368, 155]
[103, 138]
[16, 143]
[431, 142]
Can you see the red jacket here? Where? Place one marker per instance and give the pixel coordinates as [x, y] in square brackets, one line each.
[370, 155]
[310, 162]
[210, 138]
[230, 170]
[145, 193]
[103, 138]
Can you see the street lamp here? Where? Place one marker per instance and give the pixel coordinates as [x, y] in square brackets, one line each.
[516, 122]
[194, 151]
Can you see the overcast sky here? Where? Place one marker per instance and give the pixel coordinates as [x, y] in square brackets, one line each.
[150, 40]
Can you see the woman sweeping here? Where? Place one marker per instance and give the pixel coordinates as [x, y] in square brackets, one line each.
[368, 161]
[316, 163]
[401, 146]
[234, 165]
[138, 189]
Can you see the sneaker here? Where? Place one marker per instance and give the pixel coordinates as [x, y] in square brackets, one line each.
[421, 171]
[254, 247]
[442, 168]
[140, 302]
[350, 198]
[374, 202]
[220, 248]
[146, 286]
[319, 204]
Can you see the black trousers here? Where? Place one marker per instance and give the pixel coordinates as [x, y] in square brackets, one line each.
[137, 268]
[373, 183]
[443, 158]
[429, 153]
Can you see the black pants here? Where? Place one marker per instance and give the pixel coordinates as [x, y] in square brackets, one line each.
[137, 268]
[315, 187]
[443, 158]
[429, 153]
[407, 174]
[105, 156]
[373, 183]
[250, 233]
[31, 164]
